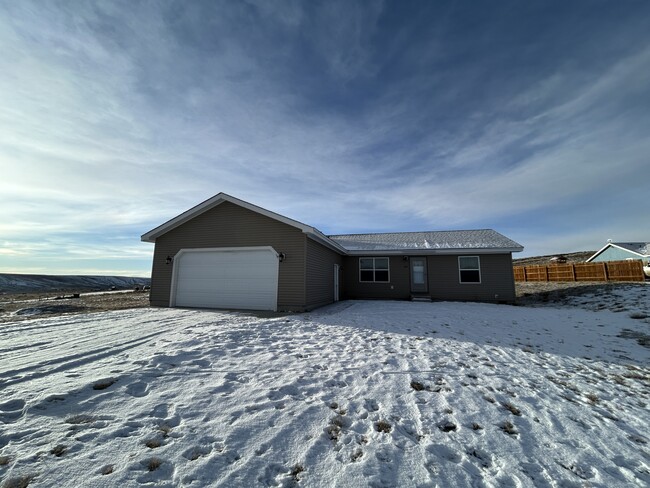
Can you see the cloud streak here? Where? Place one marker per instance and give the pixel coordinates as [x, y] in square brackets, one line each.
[370, 116]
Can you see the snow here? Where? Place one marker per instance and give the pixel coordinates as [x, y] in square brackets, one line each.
[399, 241]
[355, 394]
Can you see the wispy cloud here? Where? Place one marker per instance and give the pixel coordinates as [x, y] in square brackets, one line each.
[349, 116]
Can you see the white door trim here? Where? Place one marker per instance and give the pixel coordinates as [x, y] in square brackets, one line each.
[336, 283]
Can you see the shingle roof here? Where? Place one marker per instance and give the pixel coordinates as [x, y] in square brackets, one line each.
[485, 239]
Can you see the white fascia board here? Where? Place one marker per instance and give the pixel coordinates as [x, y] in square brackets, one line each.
[213, 202]
[598, 252]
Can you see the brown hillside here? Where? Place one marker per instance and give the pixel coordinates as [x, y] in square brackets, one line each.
[572, 257]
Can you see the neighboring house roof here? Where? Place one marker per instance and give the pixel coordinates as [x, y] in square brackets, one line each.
[642, 249]
[635, 247]
[485, 240]
[452, 241]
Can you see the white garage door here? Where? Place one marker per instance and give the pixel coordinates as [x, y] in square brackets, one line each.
[236, 278]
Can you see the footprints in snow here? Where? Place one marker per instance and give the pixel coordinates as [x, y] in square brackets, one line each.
[137, 389]
[204, 448]
[12, 410]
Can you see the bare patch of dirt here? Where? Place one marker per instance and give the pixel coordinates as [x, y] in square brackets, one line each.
[24, 306]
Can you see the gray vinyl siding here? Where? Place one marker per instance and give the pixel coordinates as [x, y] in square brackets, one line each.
[497, 280]
[398, 288]
[229, 225]
[320, 274]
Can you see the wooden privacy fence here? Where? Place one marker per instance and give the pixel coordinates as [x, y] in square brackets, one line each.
[610, 271]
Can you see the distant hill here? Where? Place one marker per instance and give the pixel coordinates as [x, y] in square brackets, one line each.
[572, 257]
[29, 283]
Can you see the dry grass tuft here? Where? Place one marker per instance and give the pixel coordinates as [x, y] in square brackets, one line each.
[153, 443]
[154, 463]
[334, 428]
[417, 386]
[59, 450]
[165, 430]
[509, 429]
[383, 427]
[512, 409]
[296, 472]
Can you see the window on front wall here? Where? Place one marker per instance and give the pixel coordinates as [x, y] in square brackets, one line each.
[373, 270]
[469, 269]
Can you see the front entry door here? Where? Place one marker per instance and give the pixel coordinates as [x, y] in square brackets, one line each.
[419, 275]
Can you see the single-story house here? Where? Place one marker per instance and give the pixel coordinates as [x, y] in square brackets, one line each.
[228, 253]
[620, 251]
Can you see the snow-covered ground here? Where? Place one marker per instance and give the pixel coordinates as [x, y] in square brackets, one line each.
[356, 394]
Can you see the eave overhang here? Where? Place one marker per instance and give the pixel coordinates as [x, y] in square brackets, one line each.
[430, 252]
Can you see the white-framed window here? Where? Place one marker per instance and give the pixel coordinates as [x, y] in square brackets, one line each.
[374, 270]
[469, 269]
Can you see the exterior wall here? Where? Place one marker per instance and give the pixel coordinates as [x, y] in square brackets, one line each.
[497, 280]
[399, 287]
[615, 254]
[320, 274]
[229, 225]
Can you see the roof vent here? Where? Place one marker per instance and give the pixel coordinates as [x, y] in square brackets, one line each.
[609, 241]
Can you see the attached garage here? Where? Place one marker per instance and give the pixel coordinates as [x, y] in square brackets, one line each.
[228, 278]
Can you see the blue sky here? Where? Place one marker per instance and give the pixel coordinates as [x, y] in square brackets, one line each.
[532, 118]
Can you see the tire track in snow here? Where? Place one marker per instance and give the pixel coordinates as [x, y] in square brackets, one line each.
[102, 331]
[70, 362]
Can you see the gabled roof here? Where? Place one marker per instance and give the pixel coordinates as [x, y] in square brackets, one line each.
[483, 240]
[220, 198]
[642, 249]
[434, 242]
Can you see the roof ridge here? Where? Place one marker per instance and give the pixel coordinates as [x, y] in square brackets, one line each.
[409, 232]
